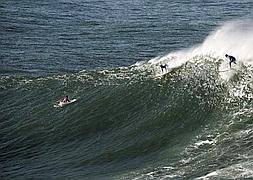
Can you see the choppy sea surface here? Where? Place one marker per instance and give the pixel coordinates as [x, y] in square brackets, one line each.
[131, 120]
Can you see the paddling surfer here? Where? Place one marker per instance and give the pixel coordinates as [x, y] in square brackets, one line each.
[231, 59]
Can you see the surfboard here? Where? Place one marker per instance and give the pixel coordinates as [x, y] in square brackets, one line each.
[230, 69]
[224, 70]
[62, 104]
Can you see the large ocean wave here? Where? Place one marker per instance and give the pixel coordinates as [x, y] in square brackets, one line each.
[134, 122]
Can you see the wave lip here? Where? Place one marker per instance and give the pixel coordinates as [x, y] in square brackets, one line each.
[183, 125]
[234, 38]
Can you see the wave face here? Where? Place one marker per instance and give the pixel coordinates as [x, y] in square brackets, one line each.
[194, 122]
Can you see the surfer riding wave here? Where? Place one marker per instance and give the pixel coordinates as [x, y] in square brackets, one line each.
[232, 59]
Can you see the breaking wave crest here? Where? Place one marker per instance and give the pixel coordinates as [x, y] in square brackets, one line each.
[193, 122]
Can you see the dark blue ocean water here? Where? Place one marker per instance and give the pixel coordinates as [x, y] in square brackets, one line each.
[129, 121]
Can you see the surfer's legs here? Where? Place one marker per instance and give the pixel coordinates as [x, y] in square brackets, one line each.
[164, 67]
[230, 62]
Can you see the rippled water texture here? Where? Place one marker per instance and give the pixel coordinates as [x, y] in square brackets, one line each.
[130, 120]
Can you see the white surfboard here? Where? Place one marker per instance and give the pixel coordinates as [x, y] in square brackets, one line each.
[61, 103]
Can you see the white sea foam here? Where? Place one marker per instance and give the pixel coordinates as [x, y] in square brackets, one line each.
[205, 142]
[233, 38]
[236, 171]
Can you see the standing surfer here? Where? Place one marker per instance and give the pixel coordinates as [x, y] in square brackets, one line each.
[163, 67]
[231, 59]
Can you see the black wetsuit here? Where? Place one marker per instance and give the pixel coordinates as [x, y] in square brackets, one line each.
[232, 60]
[163, 67]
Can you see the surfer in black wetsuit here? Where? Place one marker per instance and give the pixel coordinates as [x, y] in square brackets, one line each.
[163, 67]
[66, 99]
[231, 59]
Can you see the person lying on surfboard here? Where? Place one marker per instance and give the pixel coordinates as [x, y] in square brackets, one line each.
[66, 99]
[231, 59]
